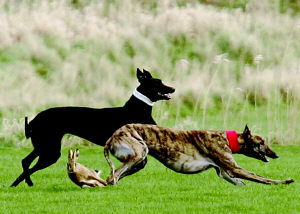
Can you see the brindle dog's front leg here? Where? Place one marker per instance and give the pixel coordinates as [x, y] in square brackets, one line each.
[244, 174]
[231, 168]
[223, 174]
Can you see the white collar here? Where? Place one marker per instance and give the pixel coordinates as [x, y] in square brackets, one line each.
[142, 97]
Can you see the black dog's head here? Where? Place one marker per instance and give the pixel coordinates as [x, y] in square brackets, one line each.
[153, 88]
[255, 146]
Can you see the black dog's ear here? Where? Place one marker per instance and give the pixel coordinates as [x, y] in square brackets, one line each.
[246, 133]
[141, 76]
[147, 74]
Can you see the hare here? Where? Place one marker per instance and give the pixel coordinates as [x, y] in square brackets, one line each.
[81, 175]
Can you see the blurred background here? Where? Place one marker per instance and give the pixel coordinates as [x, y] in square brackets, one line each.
[231, 62]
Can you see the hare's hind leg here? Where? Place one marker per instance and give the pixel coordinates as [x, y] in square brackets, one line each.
[131, 152]
[91, 183]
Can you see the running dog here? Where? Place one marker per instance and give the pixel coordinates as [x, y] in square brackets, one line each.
[96, 125]
[187, 152]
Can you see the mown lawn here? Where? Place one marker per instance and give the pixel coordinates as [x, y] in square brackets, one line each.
[155, 189]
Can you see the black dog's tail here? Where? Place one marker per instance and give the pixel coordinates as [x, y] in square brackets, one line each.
[28, 130]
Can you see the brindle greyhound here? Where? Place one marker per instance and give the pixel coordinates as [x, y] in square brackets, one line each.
[188, 151]
[96, 125]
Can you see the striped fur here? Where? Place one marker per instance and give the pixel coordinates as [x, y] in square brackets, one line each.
[185, 152]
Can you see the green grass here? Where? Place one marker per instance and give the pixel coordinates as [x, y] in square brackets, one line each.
[155, 189]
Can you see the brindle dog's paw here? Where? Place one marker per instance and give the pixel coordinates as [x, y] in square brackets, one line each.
[239, 182]
[288, 181]
[111, 181]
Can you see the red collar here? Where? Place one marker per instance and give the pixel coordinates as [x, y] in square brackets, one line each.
[233, 141]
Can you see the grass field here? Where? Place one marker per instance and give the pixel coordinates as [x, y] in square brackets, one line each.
[155, 189]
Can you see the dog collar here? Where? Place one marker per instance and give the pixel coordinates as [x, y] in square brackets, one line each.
[142, 98]
[233, 141]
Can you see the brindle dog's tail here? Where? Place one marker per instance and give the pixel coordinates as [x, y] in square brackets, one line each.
[106, 154]
[28, 130]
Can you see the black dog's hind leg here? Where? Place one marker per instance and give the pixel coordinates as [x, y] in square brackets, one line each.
[48, 153]
[45, 160]
[26, 164]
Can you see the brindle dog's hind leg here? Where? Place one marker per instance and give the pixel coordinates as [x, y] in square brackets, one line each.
[136, 168]
[131, 152]
[222, 174]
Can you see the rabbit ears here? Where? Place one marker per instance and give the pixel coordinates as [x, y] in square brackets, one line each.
[73, 154]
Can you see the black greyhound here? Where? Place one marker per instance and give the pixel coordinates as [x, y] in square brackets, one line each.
[96, 125]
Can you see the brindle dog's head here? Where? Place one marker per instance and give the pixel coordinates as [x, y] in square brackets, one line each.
[153, 88]
[255, 146]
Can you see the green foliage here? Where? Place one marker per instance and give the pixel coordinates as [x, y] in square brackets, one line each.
[129, 50]
[240, 53]
[282, 6]
[182, 47]
[80, 4]
[12, 54]
[292, 6]
[227, 3]
[155, 189]
[42, 66]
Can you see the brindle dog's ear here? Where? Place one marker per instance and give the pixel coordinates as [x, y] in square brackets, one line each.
[246, 133]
